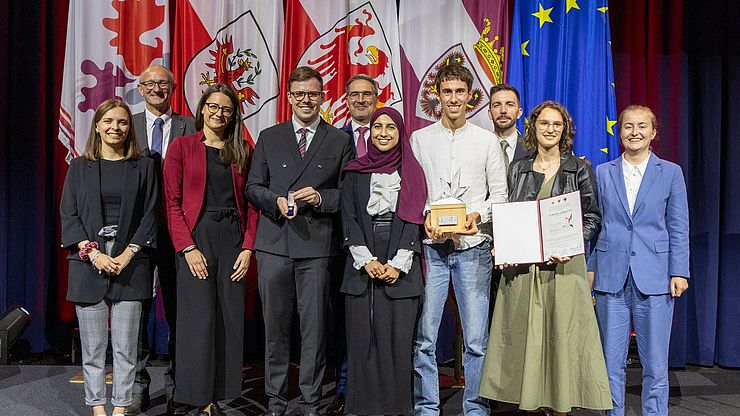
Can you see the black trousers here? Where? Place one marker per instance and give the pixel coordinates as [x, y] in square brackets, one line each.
[210, 317]
[281, 280]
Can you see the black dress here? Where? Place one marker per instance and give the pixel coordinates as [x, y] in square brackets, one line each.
[210, 312]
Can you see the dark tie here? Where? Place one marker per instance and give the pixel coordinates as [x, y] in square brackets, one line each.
[504, 148]
[157, 136]
[361, 142]
[302, 141]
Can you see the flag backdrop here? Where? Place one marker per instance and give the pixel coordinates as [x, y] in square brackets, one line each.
[109, 43]
[561, 51]
[341, 39]
[436, 32]
[237, 43]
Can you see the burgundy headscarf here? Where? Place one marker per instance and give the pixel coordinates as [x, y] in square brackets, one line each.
[413, 194]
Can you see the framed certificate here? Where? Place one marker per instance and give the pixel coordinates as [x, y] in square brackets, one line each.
[532, 231]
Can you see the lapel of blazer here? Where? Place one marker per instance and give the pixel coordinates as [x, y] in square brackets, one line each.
[177, 128]
[95, 205]
[142, 139]
[363, 194]
[617, 175]
[290, 142]
[652, 171]
[313, 148]
[128, 200]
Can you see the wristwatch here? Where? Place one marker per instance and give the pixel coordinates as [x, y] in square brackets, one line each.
[134, 248]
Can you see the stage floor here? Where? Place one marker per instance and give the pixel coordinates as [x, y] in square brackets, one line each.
[45, 390]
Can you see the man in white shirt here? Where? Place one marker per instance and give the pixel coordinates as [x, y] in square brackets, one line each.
[505, 109]
[362, 100]
[466, 160]
[155, 128]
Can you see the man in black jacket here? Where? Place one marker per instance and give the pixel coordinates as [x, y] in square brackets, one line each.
[295, 182]
[155, 128]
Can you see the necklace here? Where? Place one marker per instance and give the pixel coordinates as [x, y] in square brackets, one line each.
[549, 165]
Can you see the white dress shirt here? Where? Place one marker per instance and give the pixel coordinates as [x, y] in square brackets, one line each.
[310, 130]
[511, 140]
[166, 128]
[476, 153]
[633, 175]
[384, 189]
[356, 132]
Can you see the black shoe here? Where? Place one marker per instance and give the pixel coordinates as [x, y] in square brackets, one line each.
[140, 404]
[215, 410]
[175, 409]
[336, 408]
[274, 412]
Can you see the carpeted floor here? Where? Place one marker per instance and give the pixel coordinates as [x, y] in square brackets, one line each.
[40, 390]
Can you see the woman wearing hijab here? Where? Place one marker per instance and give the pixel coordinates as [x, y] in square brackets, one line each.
[383, 195]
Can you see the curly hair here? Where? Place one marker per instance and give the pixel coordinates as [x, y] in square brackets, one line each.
[566, 136]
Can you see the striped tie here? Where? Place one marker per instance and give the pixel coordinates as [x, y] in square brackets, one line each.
[302, 141]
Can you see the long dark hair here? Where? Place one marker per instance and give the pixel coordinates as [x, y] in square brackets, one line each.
[94, 141]
[235, 150]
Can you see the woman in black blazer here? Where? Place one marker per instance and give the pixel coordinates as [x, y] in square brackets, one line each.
[109, 213]
[383, 196]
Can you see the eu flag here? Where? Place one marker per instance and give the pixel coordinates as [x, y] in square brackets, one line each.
[560, 50]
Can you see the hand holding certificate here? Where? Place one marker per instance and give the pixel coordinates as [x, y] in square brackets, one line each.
[534, 231]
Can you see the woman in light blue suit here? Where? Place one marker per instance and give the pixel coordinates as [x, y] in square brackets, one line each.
[640, 259]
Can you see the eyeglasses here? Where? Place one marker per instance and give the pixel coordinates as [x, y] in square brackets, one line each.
[163, 85]
[355, 95]
[300, 95]
[543, 125]
[226, 111]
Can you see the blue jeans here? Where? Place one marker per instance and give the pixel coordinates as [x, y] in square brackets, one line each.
[470, 271]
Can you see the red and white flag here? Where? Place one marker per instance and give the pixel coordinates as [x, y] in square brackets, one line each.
[340, 39]
[109, 43]
[235, 42]
[436, 32]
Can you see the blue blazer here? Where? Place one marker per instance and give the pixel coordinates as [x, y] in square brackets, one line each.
[654, 241]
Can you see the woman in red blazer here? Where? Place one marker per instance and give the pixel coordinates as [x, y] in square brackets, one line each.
[212, 228]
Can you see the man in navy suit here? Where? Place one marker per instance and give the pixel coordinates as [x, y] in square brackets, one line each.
[297, 246]
[155, 128]
[640, 260]
[362, 100]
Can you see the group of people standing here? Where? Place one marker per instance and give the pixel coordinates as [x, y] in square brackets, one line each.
[341, 218]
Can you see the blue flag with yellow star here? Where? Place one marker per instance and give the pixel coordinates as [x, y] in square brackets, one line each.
[560, 50]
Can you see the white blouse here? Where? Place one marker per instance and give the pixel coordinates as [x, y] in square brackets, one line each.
[384, 189]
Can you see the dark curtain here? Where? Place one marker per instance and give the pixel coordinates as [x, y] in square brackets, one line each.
[679, 58]
[31, 162]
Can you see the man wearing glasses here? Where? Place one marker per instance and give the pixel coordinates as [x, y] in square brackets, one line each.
[295, 182]
[155, 128]
[362, 100]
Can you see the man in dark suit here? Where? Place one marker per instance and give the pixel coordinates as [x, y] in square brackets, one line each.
[156, 127]
[297, 245]
[362, 100]
[505, 109]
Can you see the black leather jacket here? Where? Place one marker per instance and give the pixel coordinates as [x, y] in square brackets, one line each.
[574, 174]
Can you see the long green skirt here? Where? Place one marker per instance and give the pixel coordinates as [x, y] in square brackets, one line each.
[544, 348]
